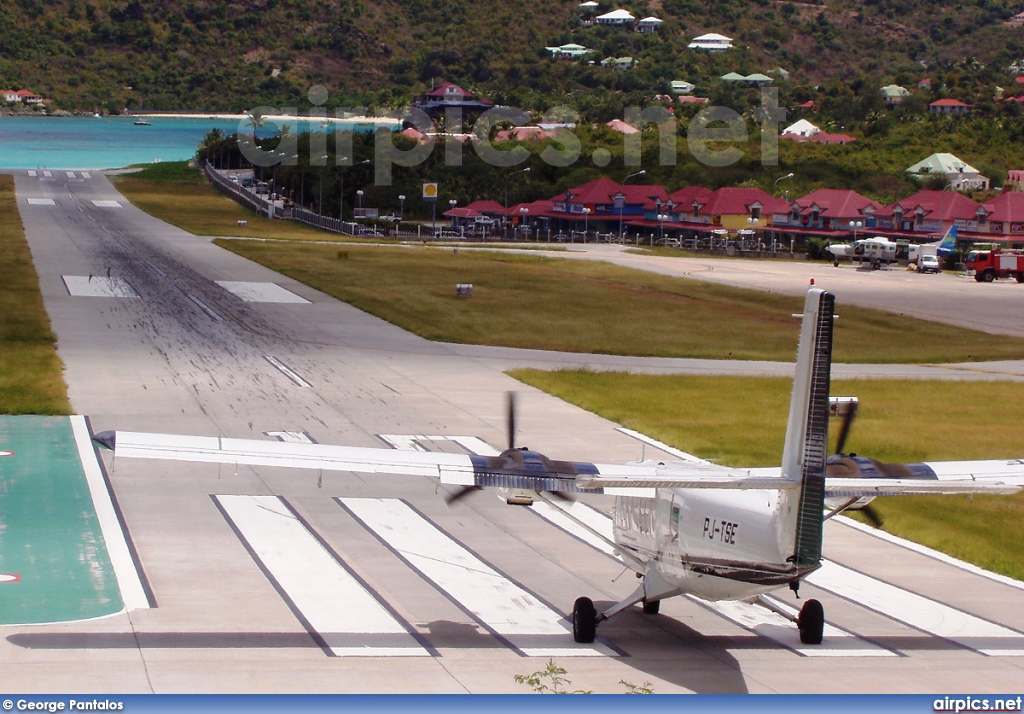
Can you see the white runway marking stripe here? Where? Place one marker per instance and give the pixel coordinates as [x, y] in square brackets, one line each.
[336, 608]
[96, 286]
[41, 202]
[919, 612]
[493, 600]
[764, 622]
[106, 204]
[261, 292]
[287, 371]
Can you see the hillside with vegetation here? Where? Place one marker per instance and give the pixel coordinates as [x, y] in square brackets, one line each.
[215, 55]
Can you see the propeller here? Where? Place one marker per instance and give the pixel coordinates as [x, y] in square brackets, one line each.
[511, 418]
[846, 407]
[510, 425]
[848, 410]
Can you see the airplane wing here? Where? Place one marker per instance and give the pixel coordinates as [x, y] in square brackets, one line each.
[523, 469]
[858, 477]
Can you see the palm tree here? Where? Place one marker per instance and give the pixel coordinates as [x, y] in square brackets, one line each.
[212, 140]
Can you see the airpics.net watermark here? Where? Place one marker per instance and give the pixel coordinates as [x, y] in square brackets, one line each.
[970, 705]
[710, 136]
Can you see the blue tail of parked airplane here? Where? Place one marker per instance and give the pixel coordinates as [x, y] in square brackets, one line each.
[947, 246]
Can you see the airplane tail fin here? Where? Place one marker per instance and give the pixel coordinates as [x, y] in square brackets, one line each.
[805, 451]
[948, 244]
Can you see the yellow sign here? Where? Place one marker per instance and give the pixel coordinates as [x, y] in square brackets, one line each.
[430, 192]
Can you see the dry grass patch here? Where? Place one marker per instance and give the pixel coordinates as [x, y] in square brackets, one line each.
[546, 303]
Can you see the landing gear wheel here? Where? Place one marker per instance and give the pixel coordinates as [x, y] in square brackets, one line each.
[584, 620]
[651, 607]
[811, 622]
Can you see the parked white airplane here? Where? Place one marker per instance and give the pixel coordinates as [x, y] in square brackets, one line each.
[685, 527]
[877, 251]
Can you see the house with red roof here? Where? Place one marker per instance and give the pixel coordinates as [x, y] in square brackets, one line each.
[932, 212]
[823, 137]
[20, 96]
[736, 208]
[449, 97]
[1006, 214]
[950, 106]
[605, 205]
[830, 209]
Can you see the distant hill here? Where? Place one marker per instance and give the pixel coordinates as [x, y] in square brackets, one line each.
[212, 55]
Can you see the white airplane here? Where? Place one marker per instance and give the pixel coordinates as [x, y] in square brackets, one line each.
[877, 251]
[685, 527]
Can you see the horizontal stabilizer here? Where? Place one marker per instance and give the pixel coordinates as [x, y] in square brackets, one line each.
[868, 487]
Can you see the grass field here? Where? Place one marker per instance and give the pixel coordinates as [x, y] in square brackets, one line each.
[537, 302]
[741, 422]
[589, 306]
[31, 373]
[181, 196]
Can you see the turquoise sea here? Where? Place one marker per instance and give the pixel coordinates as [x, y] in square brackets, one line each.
[111, 142]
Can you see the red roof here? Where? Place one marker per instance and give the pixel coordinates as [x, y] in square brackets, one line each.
[689, 99]
[621, 126]
[438, 92]
[688, 194]
[936, 205]
[824, 138]
[460, 212]
[737, 201]
[487, 207]
[835, 203]
[949, 103]
[809, 104]
[1007, 207]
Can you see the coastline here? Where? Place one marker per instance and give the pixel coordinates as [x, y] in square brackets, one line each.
[266, 117]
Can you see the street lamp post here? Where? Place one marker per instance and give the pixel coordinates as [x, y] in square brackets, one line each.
[451, 202]
[622, 201]
[320, 209]
[524, 213]
[856, 226]
[586, 223]
[341, 193]
[401, 207]
[772, 208]
[662, 217]
[359, 201]
[504, 232]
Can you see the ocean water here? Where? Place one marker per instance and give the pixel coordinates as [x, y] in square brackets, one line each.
[112, 142]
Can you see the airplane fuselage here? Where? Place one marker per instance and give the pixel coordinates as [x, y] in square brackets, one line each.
[716, 544]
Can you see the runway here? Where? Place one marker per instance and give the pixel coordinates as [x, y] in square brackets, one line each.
[274, 580]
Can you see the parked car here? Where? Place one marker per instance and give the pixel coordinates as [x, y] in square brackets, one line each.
[928, 264]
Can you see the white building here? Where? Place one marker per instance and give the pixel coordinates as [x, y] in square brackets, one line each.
[711, 42]
[960, 174]
[570, 51]
[801, 128]
[616, 17]
[648, 24]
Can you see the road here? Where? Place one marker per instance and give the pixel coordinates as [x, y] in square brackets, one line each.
[268, 580]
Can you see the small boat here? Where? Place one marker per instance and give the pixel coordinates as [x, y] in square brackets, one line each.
[142, 122]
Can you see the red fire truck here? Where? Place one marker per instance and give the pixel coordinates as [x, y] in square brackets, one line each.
[995, 263]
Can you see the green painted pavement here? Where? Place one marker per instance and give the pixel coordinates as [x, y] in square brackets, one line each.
[49, 532]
